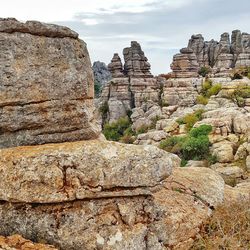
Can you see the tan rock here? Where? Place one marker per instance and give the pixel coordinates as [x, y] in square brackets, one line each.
[80, 170]
[46, 90]
[223, 150]
[168, 218]
[15, 242]
[230, 174]
[239, 193]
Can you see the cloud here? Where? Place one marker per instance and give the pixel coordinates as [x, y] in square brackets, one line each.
[161, 26]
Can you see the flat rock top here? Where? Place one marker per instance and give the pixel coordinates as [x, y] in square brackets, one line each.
[11, 25]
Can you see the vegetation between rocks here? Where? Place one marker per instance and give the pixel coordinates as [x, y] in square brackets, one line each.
[119, 131]
[194, 146]
[208, 89]
[190, 119]
[239, 95]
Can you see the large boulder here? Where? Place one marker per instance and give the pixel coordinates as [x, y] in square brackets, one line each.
[81, 170]
[46, 85]
[128, 199]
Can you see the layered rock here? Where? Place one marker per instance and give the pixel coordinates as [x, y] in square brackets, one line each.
[129, 200]
[46, 85]
[136, 63]
[116, 67]
[185, 64]
[131, 85]
[220, 56]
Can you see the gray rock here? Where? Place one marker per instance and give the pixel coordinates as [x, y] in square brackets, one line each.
[46, 85]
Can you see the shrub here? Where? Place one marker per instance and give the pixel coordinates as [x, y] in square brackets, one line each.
[169, 143]
[214, 90]
[194, 146]
[239, 94]
[201, 100]
[204, 71]
[115, 130]
[143, 129]
[128, 139]
[200, 131]
[191, 119]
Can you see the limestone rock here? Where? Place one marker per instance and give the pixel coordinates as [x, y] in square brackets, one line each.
[46, 90]
[248, 163]
[220, 57]
[239, 193]
[223, 150]
[185, 64]
[230, 174]
[136, 63]
[11, 25]
[18, 242]
[65, 172]
[116, 67]
[169, 218]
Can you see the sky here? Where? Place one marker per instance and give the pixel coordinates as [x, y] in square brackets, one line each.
[162, 27]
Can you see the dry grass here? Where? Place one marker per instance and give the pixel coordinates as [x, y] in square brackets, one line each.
[227, 229]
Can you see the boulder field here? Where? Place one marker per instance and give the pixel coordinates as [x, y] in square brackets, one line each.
[63, 184]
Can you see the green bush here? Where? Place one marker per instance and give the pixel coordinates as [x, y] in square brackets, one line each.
[191, 119]
[214, 90]
[240, 94]
[200, 131]
[201, 100]
[194, 146]
[207, 90]
[115, 130]
[204, 71]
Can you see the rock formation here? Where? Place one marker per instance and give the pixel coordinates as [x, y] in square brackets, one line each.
[90, 194]
[131, 85]
[116, 67]
[220, 56]
[101, 73]
[46, 85]
[136, 63]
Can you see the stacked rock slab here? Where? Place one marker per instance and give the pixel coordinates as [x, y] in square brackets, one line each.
[90, 194]
[219, 56]
[131, 84]
[46, 85]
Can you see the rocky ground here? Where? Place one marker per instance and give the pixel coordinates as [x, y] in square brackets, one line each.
[63, 184]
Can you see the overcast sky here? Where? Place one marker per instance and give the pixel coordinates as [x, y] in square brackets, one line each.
[161, 26]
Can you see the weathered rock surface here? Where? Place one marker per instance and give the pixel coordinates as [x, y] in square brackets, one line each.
[17, 242]
[46, 85]
[116, 67]
[169, 216]
[220, 56]
[80, 170]
[136, 63]
[131, 86]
